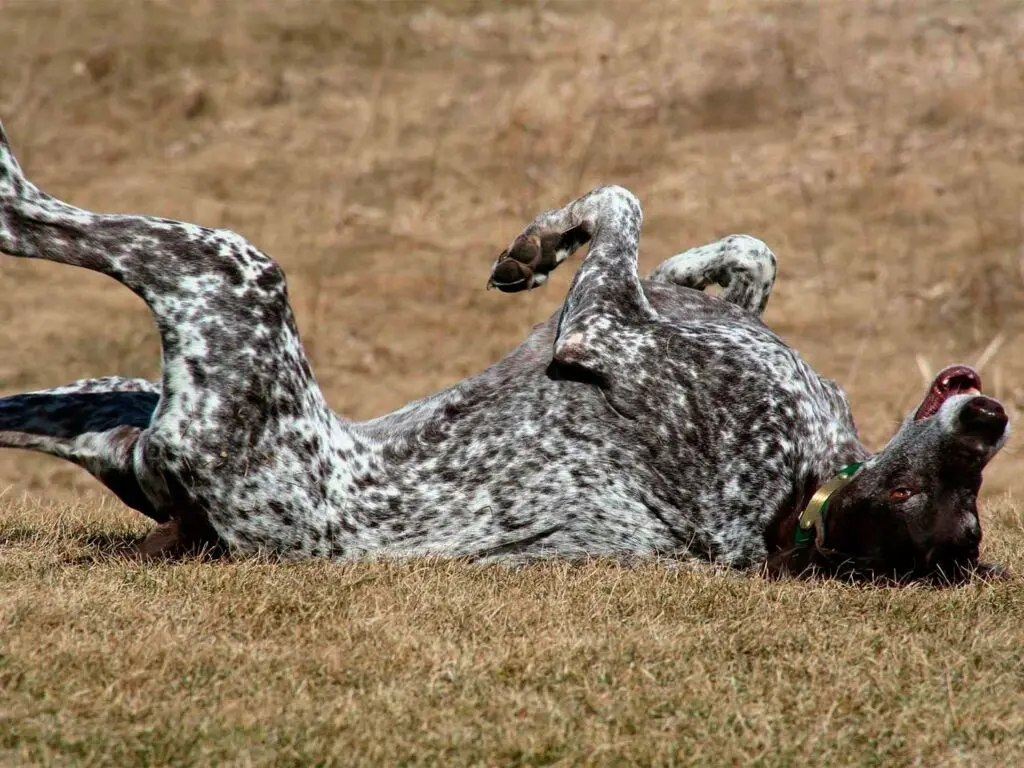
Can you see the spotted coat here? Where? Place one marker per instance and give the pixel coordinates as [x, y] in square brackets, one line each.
[643, 417]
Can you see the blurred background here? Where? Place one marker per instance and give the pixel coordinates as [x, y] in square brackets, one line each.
[385, 152]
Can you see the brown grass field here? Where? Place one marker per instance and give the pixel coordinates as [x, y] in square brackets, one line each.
[384, 152]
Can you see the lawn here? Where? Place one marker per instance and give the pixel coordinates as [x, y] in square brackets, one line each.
[384, 153]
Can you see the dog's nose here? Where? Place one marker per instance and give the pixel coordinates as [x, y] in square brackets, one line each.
[984, 417]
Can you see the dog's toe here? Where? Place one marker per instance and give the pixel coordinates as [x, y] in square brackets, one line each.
[510, 276]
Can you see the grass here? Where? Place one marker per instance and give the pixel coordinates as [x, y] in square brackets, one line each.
[108, 661]
[384, 153]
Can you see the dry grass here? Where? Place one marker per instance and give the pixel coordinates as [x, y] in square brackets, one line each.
[384, 152]
[107, 661]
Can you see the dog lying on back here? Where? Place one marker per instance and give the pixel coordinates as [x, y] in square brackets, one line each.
[644, 418]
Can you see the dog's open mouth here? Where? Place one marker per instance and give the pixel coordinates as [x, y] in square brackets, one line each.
[955, 380]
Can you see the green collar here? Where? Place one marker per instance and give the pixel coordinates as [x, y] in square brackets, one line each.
[814, 513]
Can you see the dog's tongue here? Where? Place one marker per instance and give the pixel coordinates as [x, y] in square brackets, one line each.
[955, 380]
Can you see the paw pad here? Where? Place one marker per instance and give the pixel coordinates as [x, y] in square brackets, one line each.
[514, 269]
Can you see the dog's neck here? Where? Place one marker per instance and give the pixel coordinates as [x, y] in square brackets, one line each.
[787, 557]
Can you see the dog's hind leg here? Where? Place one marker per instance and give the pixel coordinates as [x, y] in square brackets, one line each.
[242, 441]
[93, 423]
[606, 299]
[742, 265]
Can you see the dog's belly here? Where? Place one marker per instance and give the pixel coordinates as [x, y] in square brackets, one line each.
[692, 453]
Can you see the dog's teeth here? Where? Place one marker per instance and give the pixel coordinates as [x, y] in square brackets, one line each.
[972, 391]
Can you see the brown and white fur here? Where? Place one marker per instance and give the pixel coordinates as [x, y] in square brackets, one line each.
[645, 417]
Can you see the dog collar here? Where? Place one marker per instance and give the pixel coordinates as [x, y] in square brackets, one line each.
[814, 513]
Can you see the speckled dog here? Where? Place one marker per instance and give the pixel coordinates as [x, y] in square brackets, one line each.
[645, 417]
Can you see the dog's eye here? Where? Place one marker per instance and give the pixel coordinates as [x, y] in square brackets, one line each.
[900, 494]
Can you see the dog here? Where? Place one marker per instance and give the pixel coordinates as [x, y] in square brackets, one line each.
[644, 418]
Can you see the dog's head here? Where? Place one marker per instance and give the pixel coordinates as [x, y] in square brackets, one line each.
[911, 510]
